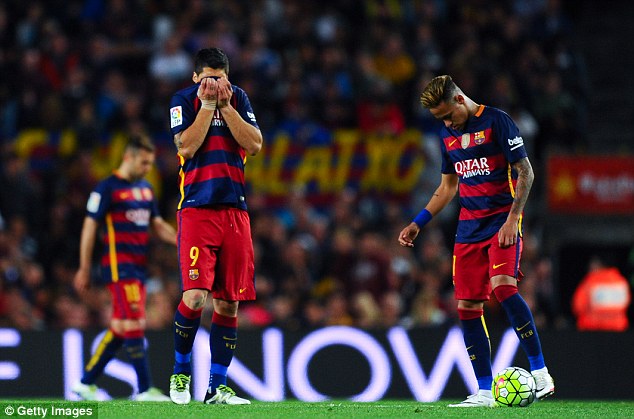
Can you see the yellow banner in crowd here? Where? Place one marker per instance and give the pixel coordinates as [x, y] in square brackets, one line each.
[386, 165]
[368, 163]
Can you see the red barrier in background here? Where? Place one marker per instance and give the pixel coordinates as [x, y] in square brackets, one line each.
[593, 185]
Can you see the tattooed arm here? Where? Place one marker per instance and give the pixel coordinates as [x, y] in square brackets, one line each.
[525, 176]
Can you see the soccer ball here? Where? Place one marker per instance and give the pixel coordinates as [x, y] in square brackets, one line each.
[514, 387]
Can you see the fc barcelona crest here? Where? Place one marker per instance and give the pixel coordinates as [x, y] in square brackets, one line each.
[147, 194]
[479, 137]
[466, 139]
[193, 274]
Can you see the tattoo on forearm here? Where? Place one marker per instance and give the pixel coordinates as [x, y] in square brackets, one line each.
[525, 177]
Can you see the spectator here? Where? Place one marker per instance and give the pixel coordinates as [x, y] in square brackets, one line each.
[171, 63]
[601, 300]
[310, 68]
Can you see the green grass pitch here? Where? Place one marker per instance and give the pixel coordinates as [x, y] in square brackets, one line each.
[398, 409]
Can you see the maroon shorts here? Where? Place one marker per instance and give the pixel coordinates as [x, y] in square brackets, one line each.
[215, 252]
[474, 264]
[128, 299]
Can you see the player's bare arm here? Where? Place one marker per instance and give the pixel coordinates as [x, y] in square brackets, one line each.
[439, 200]
[164, 230]
[81, 281]
[525, 176]
[248, 136]
[189, 141]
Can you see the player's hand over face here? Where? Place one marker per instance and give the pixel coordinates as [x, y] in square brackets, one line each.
[407, 236]
[208, 89]
[225, 91]
[507, 236]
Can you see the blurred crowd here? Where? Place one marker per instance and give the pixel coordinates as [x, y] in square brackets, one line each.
[102, 67]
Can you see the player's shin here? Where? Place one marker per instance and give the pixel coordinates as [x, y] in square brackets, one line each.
[106, 350]
[521, 319]
[476, 338]
[186, 323]
[222, 341]
[135, 349]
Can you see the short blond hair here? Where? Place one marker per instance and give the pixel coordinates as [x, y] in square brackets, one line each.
[439, 89]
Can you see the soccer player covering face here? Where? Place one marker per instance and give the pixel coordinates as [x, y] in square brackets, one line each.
[483, 157]
[124, 206]
[214, 129]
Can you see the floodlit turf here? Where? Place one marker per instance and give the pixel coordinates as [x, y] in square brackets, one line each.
[398, 409]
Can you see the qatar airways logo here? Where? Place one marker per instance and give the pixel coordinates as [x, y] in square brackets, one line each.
[472, 167]
[140, 216]
[217, 120]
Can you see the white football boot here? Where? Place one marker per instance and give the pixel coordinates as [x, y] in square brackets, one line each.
[545, 385]
[179, 388]
[152, 394]
[224, 395]
[85, 391]
[483, 398]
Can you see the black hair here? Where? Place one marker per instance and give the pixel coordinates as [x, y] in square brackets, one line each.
[213, 58]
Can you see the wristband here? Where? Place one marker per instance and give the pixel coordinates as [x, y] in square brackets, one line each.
[208, 104]
[423, 218]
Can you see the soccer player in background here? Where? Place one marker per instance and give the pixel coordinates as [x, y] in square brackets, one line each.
[124, 205]
[483, 157]
[214, 129]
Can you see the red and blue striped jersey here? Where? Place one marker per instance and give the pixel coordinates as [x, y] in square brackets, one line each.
[481, 156]
[215, 174]
[125, 209]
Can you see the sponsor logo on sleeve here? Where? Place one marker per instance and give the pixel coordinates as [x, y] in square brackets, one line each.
[93, 202]
[176, 116]
[251, 116]
[516, 142]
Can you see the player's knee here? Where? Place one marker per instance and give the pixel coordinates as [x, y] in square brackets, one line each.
[470, 305]
[195, 299]
[503, 292]
[226, 308]
[117, 328]
[137, 325]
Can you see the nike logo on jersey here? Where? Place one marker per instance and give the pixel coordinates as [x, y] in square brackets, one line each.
[520, 328]
[497, 266]
[242, 290]
[452, 143]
